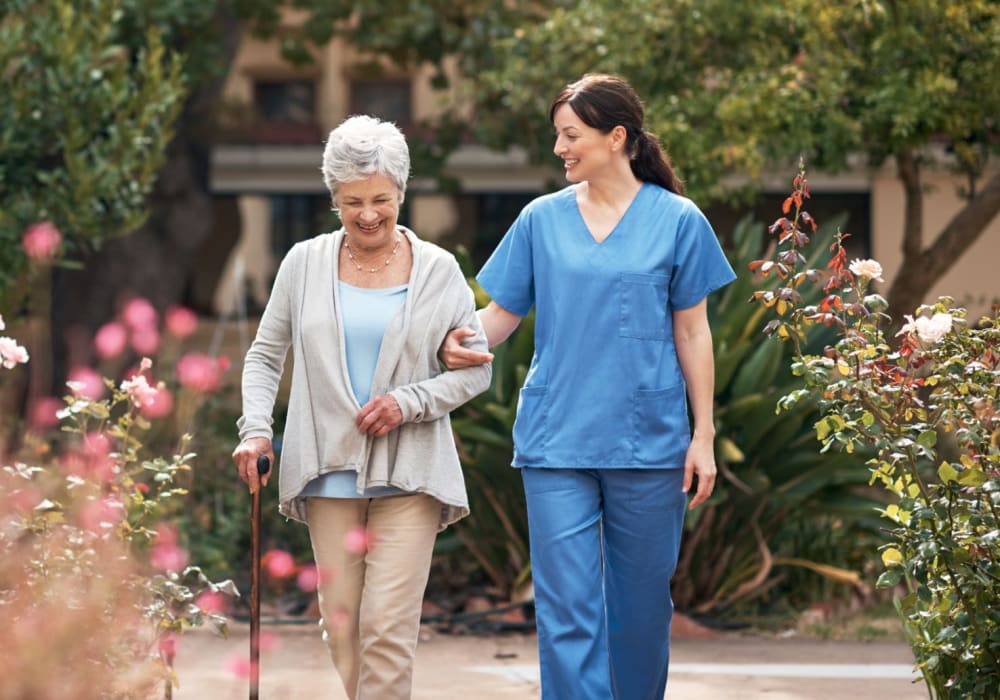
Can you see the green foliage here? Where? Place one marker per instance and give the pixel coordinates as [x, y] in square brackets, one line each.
[784, 524]
[724, 82]
[496, 531]
[926, 405]
[83, 124]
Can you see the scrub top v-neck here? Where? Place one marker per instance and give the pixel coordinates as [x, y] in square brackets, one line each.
[604, 389]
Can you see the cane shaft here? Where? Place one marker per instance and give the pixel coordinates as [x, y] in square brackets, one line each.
[263, 467]
[255, 596]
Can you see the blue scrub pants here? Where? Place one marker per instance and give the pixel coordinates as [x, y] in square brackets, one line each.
[604, 545]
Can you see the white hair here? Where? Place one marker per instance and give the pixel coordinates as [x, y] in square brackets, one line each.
[363, 146]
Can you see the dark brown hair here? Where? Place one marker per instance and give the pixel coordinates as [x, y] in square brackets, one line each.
[605, 101]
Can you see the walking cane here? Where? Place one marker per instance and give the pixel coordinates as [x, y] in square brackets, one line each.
[263, 467]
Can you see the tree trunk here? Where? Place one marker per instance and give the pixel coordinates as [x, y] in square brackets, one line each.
[156, 260]
[922, 267]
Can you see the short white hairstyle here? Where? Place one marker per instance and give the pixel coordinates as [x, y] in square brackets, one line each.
[363, 146]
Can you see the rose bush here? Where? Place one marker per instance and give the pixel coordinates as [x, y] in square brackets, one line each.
[925, 400]
[94, 582]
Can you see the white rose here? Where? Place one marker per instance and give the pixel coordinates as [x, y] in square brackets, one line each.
[931, 330]
[867, 268]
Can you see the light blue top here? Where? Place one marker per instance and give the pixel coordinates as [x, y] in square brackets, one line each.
[366, 313]
[605, 389]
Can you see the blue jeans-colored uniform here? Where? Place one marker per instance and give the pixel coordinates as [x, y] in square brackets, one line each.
[604, 545]
[602, 428]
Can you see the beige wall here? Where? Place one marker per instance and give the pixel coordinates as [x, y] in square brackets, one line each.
[973, 279]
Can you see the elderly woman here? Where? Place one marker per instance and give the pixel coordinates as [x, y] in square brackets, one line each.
[367, 446]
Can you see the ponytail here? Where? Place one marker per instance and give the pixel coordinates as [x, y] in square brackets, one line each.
[651, 164]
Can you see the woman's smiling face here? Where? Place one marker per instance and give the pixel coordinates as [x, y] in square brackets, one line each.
[369, 210]
[585, 151]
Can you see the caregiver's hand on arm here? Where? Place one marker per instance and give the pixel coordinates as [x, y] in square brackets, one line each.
[498, 323]
[245, 455]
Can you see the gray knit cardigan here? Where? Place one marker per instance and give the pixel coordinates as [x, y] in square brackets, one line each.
[320, 435]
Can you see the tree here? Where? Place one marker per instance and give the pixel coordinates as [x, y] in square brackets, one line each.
[873, 81]
[83, 124]
[156, 260]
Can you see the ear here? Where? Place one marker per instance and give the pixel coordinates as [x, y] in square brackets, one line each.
[618, 136]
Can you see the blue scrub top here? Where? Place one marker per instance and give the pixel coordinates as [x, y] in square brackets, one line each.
[605, 389]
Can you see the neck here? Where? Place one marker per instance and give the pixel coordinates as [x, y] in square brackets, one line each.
[613, 189]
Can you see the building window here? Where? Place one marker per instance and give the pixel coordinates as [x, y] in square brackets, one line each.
[290, 101]
[389, 100]
[296, 217]
[851, 209]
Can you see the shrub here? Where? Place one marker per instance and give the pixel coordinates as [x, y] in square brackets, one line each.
[94, 582]
[924, 400]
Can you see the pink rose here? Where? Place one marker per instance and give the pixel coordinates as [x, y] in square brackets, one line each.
[199, 372]
[161, 405]
[43, 412]
[139, 313]
[239, 666]
[167, 554]
[12, 354]
[180, 321]
[110, 340]
[308, 578]
[168, 557]
[357, 540]
[142, 394]
[41, 241]
[279, 563]
[211, 602]
[85, 383]
[145, 340]
[102, 515]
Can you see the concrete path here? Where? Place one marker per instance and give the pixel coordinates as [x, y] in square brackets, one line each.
[294, 665]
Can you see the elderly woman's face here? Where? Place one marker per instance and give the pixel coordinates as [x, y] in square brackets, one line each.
[369, 209]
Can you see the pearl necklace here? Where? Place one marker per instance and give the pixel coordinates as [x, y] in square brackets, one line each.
[373, 270]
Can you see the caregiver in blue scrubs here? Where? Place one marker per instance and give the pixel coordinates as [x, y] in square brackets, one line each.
[617, 266]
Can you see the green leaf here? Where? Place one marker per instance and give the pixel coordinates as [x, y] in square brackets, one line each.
[889, 578]
[928, 438]
[973, 477]
[947, 473]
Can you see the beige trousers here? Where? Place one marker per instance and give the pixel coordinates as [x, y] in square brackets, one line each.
[371, 601]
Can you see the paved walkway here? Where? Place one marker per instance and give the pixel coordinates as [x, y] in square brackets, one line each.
[505, 667]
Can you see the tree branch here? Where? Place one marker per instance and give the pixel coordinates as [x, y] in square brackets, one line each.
[913, 213]
[963, 230]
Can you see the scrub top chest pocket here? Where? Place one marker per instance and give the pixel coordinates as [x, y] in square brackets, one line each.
[643, 301]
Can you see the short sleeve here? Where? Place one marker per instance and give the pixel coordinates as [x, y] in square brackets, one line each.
[700, 266]
[508, 276]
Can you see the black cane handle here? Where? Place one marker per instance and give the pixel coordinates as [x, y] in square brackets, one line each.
[263, 465]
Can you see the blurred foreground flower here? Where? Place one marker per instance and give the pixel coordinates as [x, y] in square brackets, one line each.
[12, 354]
[180, 321]
[200, 372]
[41, 241]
